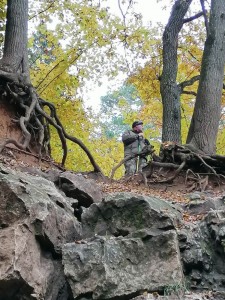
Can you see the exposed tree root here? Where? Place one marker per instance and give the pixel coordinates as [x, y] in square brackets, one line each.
[196, 181]
[199, 167]
[34, 121]
[170, 179]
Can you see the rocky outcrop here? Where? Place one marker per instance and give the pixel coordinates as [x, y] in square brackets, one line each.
[109, 267]
[35, 222]
[202, 248]
[131, 245]
[61, 239]
[120, 214]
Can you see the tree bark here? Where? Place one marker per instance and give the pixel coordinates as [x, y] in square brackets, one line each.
[15, 45]
[205, 120]
[169, 89]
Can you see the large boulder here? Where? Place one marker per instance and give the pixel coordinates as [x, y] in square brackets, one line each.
[50, 215]
[26, 272]
[120, 214]
[35, 221]
[109, 267]
[202, 246]
[129, 245]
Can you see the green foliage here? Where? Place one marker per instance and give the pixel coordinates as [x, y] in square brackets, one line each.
[2, 22]
[177, 289]
[114, 108]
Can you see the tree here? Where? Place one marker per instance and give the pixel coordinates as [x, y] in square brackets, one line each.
[205, 120]
[170, 90]
[118, 109]
[15, 76]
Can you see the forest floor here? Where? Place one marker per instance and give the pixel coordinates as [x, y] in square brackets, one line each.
[177, 191]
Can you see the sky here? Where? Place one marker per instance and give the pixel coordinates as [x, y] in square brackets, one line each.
[152, 11]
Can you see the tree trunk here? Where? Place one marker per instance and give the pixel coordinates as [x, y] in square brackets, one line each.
[205, 120]
[15, 46]
[169, 89]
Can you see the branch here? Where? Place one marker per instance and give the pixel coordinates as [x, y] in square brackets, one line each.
[144, 152]
[193, 17]
[189, 93]
[42, 11]
[120, 164]
[205, 17]
[57, 76]
[189, 82]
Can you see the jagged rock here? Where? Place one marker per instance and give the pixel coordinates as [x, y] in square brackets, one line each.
[25, 271]
[35, 222]
[120, 214]
[203, 251]
[191, 296]
[51, 174]
[203, 206]
[36, 198]
[78, 187]
[108, 267]
[129, 248]
[187, 295]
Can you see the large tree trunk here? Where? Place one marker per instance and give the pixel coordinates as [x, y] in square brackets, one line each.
[205, 120]
[15, 46]
[169, 89]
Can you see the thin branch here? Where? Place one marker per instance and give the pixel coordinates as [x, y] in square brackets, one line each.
[42, 11]
[144, 152]
[189, 82]
[193, 17]
[189, 93]
[46, 85]
[205, 16]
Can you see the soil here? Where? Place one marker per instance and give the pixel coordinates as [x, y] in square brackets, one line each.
[11, 156]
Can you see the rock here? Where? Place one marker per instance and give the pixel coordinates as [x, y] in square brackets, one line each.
[109, 267]
[24, 270]
[198, 206]
[219, 295]
[120, 214]
[86, 191]
[130, 248]
[186, 296]
[35, 222]
[51, 174]
[37, 199]
[195, 196]
[202, 247]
